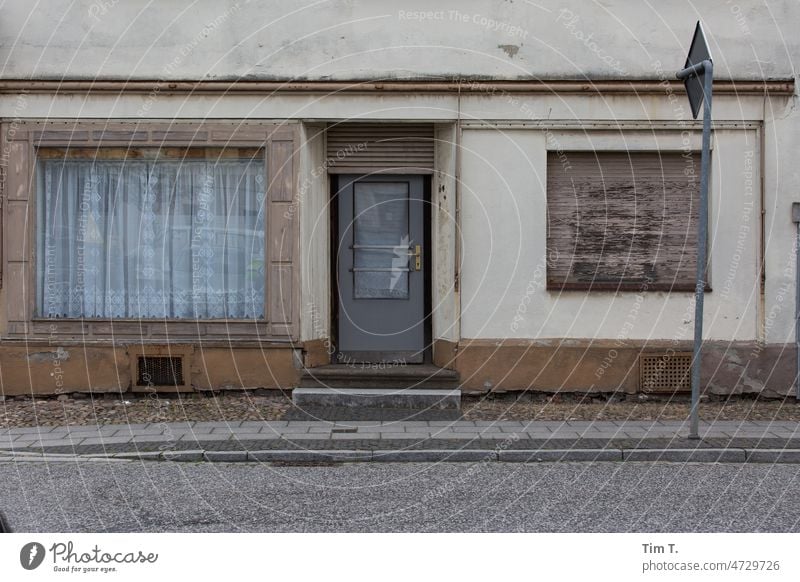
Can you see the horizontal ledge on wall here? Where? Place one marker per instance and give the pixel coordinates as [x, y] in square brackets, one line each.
[638, 87]
[53, 342]
[643, 344]
[599, 125]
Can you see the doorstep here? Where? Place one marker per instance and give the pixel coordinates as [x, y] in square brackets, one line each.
[376, 398]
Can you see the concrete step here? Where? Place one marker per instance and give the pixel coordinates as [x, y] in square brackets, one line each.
[377, 398]
[357, 376]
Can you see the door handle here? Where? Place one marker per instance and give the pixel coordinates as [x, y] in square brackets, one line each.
[417, 257]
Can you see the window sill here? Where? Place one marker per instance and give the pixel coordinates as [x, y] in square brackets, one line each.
[155, 329]
[149, 320]
[623, 287]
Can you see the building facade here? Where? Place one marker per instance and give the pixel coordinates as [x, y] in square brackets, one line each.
[228, 196]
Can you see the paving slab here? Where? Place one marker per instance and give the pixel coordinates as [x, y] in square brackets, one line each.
[36, 446]
[349, 436]
[259, 436]
[189, 430]
[137, 425]
[321, 429]
[128, 431]
[268, 424]
[382, 428]
[218, 424]
[153, 438]
[32, 429]
[204, 437]
[105, 440]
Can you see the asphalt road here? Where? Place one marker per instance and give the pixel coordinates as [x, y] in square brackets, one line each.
[598, 497]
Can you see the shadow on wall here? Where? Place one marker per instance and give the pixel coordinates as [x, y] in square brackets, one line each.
[4, 525]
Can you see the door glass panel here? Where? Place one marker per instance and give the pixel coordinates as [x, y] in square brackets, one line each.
[381, 240]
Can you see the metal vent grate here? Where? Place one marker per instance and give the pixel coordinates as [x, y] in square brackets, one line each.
[665, 373]
[159, 371]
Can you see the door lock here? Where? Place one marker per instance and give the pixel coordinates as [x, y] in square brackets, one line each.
[417, 257]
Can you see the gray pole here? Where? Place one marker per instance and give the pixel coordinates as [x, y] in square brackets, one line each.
[796, 219]
[702, 235]
[797, 315]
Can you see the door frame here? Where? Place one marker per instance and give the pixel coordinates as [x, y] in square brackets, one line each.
[427, 268]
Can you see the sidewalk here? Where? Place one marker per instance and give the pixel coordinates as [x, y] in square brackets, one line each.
[320, 441]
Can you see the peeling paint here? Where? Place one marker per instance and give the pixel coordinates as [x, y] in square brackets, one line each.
[40, 357]
[510, 49]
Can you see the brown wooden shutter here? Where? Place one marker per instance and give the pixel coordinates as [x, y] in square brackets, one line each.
[282, 232]
[620, 220]
[363, 148]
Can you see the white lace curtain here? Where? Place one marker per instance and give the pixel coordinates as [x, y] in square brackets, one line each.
[150, 239]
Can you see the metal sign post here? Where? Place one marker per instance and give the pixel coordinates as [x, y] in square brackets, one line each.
[697, 75]
[796, 220]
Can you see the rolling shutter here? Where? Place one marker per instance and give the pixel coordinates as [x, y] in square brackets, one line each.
[364, 148]
[620, 220]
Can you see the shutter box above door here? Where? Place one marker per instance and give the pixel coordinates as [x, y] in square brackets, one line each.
[365, 148]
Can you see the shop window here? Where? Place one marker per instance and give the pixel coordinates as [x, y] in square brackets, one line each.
[150, 233]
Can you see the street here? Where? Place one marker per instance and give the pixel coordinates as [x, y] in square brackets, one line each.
[406, 497]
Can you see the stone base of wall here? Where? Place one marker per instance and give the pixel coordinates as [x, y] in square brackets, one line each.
[317, 352]
[52, 369]
[483, 365]
[611, 365]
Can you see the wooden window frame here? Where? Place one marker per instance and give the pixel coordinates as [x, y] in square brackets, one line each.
[281, 161]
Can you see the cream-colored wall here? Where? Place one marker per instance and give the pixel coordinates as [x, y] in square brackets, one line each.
[444, 235]
[572, 109]
[355, 39]
[504, 205]
[312, 204]
[781, 188]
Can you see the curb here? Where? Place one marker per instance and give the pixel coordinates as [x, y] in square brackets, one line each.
[562, 455]
[688, 455]
[732, 455]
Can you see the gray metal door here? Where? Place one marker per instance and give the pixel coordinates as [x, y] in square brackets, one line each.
[381, 280]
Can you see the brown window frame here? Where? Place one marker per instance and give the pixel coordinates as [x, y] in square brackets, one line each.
[19, 261]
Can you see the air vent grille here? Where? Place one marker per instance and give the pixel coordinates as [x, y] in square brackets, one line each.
[665, 373]
[159, 371]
